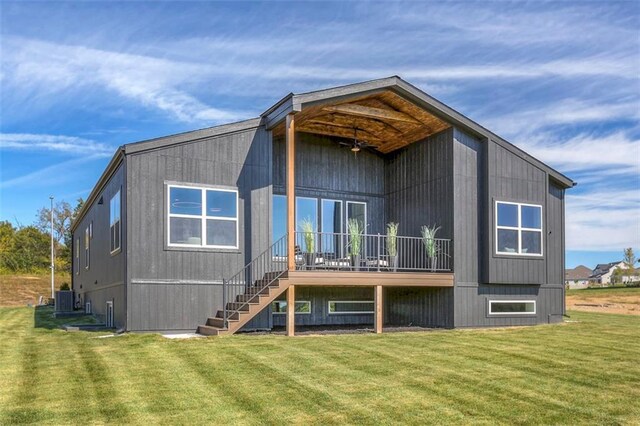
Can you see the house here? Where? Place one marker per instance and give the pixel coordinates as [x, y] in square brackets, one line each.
[281, 221]
[605, 274]
[577, 277]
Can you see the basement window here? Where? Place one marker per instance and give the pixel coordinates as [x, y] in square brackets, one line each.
[280, 307]
[512, 307]
[202, 217]
[114, 223]
[518, 229]
[351, 307]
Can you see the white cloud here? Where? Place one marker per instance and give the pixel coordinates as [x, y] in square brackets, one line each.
[54, 143]
[603, 220]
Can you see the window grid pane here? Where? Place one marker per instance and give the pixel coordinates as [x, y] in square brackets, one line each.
[518, 229]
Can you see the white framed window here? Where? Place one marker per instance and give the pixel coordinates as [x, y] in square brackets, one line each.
[77, 256]
[202, 217]
[357, 210]
[512, 307]
[114, 223]
[87, 239]
[518, 229]
[351, 307]
[279, 307]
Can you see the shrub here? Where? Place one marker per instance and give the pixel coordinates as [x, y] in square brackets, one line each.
[65, 286]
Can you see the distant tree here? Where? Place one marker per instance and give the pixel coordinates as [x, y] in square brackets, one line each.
[29, 251]
[63, 218]
[629, 262]
[7, 234]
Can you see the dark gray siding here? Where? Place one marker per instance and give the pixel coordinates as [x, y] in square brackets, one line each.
[419, 184]
[468, 207]
[486, 172]
[512, 178]
[104, 279]
[326, 169]
[471, 304]
[164, 280]
[414, 306]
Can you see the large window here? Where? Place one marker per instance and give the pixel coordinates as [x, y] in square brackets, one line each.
[279, 217]
[512, 307]
[114, 223]
[331, 216]
[351, 307]
[518, 229]
[202, 217]
[301, 307]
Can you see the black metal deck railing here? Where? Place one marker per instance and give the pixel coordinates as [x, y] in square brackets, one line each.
[368, 252]
[333, 252]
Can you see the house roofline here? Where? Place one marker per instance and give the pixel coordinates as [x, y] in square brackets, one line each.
[295, 102]
[113, 165]
[156, 143]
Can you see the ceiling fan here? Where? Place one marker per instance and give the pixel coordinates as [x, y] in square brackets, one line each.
[355, 145]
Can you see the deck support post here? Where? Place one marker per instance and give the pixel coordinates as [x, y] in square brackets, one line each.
[378, 309]
[290, 135]
[291, 310]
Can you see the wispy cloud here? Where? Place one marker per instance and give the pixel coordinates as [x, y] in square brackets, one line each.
[55, 143]
[49, 176]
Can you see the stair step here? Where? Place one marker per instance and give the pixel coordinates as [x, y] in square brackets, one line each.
[255, 290]
[240, 306]
[217, 322]
[252, 297]
[232, 315]
[208, 330]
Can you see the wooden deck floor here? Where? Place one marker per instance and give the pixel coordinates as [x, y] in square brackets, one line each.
[367, 279]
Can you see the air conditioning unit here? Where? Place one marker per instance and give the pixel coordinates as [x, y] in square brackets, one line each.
[87, 308]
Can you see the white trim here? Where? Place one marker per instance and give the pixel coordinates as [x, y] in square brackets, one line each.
[491, 302]
[297, 313]
[109, 314]
[519, 229]
[350, 312]
[202, 216]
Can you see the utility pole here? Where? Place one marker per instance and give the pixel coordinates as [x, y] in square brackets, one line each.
[53, 288]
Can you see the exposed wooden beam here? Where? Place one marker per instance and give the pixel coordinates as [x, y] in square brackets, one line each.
[365, 111]
[291, 310]
[378, 309]
[290, 135]
[336, 131]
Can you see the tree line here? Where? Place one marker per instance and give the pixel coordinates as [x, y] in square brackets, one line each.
[27, 249]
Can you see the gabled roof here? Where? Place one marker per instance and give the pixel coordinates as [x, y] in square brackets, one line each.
[603, 268]
[294, 103]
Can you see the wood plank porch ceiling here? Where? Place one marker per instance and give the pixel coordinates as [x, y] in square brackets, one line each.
[384, 120]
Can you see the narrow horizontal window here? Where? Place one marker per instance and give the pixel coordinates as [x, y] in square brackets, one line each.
[280, 307]
[202, 217]
[518, 229]
[351, 307]
[512, 307]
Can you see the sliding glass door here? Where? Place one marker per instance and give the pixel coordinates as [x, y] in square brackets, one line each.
[331, 215]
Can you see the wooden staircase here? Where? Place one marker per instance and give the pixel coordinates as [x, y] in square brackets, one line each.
[246, 305]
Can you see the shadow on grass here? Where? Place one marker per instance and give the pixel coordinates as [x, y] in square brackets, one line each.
[43, 317]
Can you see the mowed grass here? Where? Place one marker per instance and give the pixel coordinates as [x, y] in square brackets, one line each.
[23, 289]
[585, 371]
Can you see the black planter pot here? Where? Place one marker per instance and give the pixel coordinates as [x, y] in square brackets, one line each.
[310, 260]
[355, 262]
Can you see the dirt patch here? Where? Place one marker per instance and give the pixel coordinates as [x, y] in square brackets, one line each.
[21, 290]
[627, 303]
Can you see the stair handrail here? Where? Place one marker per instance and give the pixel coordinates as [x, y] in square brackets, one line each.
[255, 271]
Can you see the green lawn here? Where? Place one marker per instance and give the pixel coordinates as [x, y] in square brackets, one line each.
[584, 371]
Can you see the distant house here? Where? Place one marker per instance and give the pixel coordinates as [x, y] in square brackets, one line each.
[603, 272]
[577, 277]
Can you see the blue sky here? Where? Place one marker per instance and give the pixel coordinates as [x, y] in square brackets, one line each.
[560, 80]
